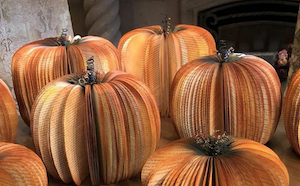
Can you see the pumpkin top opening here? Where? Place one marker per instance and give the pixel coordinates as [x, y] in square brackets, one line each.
[214, 145]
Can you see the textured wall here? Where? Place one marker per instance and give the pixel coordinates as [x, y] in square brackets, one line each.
[295, 58]
[24, 21]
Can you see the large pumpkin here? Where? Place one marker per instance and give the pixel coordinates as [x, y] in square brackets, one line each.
[39, 62]
[20, 166]
[215, 162]
[291, 112]
[240, 96]
[8, 115]
[106, 129]
[155, 55]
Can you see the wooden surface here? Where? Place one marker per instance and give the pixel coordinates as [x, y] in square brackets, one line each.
[278, 143]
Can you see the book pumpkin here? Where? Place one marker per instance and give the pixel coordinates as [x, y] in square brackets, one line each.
[154, 55]
[8, 115]
[214, 161]
[37, 63]
[20, 166]
[236, 93]
[106, 127]
[291, 112]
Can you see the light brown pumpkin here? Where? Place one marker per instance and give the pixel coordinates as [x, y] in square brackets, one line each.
[39, 62]
[241, 96]
[291, 112]
[20, 166]
[214, 162]
[106, 129]
[8, 115]
[155, 55]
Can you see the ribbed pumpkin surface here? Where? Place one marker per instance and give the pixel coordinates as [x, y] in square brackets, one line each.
[20, 166]
[107, 130]
[154, 56]
[291, 112]
[37, 63]
[241, 97]
[8, 115]
[246, 163]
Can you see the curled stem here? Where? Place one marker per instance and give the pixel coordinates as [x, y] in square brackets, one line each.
[223, 52]
[62, 40]
[89, 77]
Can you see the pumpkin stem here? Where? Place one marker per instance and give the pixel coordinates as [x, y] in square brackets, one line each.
[223, 52]
[214, 145]
[62, 40]
[167, 24]
[89, 77]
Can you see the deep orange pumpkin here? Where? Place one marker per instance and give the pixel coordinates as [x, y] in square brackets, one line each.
[237, 162]
[39, 62]
[106, 129]
[8, 115]
[20, 166]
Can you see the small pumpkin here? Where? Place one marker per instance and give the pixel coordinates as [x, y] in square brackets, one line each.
[215, 161]
[39, 62]
[21, 166]
[291, 112]
[154, 55]
[236, 93]
[106, 127]
[8, 115]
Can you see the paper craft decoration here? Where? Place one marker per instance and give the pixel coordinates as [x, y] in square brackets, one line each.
[214, 162]
[8, 115]
[21, 166]
[154, 55]
[103, 126]
[291, 112]
[39, 62]
[240, 95]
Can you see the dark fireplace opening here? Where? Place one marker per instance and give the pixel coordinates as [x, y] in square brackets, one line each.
[262, 27]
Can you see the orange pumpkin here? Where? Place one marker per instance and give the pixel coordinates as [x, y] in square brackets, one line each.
[39, 62]
[291, 112]
[240, 96]
[107, 128]
[155, 55]
[215, 162]
[8, 115]
[20, 166]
